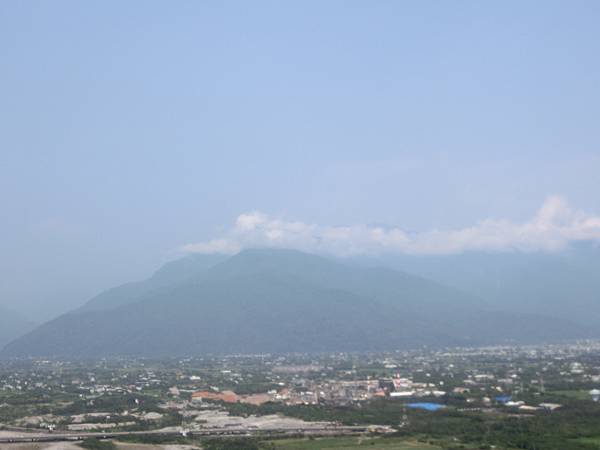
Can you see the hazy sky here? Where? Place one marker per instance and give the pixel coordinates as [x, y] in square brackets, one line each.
[131, 130]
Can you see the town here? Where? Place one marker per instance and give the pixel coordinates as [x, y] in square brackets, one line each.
[273, 397]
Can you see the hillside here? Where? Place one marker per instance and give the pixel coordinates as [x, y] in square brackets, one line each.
[563, 284]
[12, 325]
[170, 274]
[281, 301]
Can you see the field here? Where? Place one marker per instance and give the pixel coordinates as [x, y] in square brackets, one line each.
[594, 441]
[360, 442]
[573, 394]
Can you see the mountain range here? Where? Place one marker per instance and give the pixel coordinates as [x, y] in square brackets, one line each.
[265, 300]
[563, 284]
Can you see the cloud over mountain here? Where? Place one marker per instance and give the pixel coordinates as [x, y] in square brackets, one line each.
[552, 228]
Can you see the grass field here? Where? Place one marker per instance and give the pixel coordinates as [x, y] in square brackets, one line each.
[354, 442]
[592, 441]
[576, 395]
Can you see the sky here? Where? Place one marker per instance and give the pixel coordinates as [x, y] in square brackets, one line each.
[132, 133]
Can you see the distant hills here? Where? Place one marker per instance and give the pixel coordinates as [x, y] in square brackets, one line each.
[12, 325]
[281, 301]
[171, 274]
[563, 284]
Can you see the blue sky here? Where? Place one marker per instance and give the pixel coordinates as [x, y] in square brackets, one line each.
[129, 130]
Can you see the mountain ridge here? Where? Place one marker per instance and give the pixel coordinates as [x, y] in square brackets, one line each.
[563, 284]
[284, 301]
[12, 325]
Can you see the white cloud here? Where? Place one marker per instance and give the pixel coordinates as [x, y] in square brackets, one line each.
[226, 246]
[552, 228]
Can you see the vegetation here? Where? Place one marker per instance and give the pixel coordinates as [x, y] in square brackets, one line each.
[232, 444]
[96, 444]
[576, 426]
[380, 443]
[154, 439]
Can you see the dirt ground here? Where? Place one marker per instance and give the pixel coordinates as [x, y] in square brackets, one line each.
[41, 446]
[72, 446]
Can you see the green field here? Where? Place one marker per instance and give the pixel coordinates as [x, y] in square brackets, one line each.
[354, 442]
[575, 394]
[595, 441]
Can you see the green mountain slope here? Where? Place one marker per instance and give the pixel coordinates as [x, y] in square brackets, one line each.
[285, 301]
[564, 284]
[171, 273]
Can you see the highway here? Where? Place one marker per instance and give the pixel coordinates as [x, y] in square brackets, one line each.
[208, 432]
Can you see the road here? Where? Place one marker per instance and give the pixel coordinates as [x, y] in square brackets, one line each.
[208, 432]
